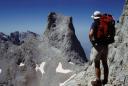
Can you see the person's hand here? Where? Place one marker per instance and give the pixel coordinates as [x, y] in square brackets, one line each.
[93, 42]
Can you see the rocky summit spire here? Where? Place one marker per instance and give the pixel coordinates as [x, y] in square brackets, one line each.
[60, 33]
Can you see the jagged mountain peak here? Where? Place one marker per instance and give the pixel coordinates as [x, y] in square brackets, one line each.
[60, 33]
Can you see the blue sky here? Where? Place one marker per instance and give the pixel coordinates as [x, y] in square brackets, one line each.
[23, 15]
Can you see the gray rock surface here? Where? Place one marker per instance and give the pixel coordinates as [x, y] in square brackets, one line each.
[60, 33]
[11, 58]
[117, 58]
[42, 61]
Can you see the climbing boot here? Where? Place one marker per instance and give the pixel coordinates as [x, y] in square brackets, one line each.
[96, 83]
[104, 81]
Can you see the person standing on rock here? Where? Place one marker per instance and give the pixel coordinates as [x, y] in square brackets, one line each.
[101, 34]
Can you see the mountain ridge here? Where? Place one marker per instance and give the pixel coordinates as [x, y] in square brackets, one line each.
[28, 59]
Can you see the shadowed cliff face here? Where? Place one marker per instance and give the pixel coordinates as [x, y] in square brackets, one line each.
[27, 59]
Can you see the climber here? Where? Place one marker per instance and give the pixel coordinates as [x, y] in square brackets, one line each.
[100, 38]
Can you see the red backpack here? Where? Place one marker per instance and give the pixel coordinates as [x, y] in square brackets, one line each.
[106, 29]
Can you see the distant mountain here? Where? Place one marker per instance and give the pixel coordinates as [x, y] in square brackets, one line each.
[16, 37]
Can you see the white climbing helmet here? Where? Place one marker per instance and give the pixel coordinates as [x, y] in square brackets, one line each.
[96, 15]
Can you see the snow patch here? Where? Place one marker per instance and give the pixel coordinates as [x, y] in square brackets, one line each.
[62, 84]
[59, 69]
[0, 70]
[22, 64]
[71, 63]
[41, 67]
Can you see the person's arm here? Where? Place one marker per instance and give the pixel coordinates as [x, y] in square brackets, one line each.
[91, 35]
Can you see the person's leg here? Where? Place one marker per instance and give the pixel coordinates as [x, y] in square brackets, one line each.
[106, 71]
[105, 65]
[97, 82]
[97, 69]
[95, 57]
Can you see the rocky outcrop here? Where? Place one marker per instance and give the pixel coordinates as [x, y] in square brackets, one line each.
[125, 13]
[60, 33]
[27, 59]
[117, 59]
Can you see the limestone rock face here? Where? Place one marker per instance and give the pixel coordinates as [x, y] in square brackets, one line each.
[18, 62]
[117, 58]
[60, 33]
[27, 59]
